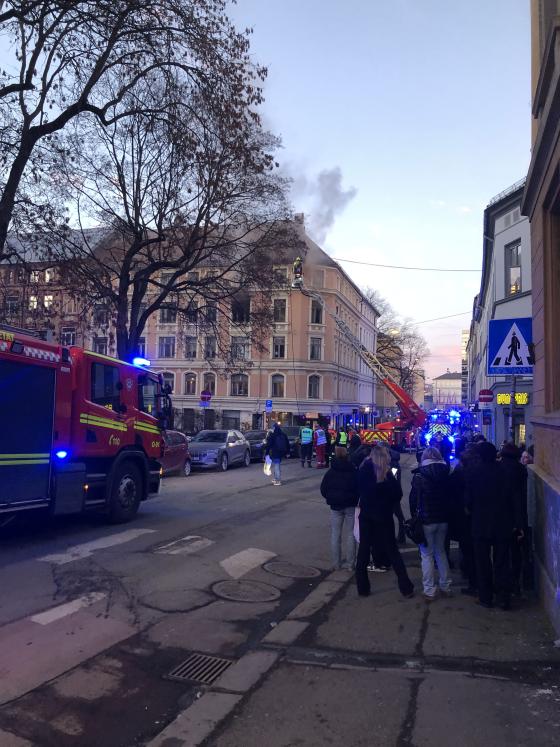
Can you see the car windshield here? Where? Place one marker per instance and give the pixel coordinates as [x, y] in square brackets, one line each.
[213, 436]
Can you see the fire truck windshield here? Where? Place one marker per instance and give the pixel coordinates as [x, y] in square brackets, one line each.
[149, 395]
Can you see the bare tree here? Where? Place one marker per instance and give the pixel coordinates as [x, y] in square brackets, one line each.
[195, 218]
[400, 347]
[90, 60]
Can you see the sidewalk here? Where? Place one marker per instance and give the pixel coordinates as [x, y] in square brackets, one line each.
[383, 671]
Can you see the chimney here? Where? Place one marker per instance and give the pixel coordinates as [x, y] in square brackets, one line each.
[299, 218]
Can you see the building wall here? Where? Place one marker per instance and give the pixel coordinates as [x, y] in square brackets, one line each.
[346, 383]
[541, 203]
[446, 391]
[505, 226]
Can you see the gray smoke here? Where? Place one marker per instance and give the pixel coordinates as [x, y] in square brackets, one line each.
[326, 198]
[331, 200]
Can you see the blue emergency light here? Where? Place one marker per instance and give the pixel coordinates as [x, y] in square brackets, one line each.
[61, 454]
[138, 361]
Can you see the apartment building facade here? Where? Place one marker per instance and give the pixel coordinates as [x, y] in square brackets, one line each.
[447, 390]
[541, 203]
[307, 369]
[505, 293]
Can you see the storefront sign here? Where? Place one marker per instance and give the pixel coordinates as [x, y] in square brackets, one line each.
[504, 398]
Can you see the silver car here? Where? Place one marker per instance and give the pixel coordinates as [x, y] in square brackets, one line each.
[219, 449]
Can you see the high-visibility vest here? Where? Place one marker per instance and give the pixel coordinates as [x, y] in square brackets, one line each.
[320, 437]
[343, 438]
[306, 435]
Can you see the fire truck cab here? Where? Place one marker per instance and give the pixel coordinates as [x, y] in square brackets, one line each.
[80, 431]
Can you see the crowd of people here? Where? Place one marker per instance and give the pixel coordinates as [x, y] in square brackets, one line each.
[480, 503]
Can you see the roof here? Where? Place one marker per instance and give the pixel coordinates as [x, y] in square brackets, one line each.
[448, 375]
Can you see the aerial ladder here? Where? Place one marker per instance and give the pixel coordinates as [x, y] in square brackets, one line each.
[412, 416]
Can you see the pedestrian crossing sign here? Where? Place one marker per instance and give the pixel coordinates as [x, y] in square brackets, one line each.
[510, 347]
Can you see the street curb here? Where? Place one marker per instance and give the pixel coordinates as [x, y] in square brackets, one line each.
[195, 724]
[319, 597]
[244, 674]
[286, 633]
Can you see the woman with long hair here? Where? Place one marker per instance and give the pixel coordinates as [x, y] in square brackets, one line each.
[379, 493]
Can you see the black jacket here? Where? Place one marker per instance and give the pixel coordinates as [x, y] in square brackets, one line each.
[277, 444]
[494, 498]
[517, 476]
[377, 499]
[339, 486]
[430, 492]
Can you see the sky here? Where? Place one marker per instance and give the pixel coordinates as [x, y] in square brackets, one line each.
[400, 120]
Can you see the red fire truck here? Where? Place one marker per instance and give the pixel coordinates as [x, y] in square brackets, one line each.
[80, 431]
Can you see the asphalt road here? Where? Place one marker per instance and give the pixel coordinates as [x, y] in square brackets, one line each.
[93, 617]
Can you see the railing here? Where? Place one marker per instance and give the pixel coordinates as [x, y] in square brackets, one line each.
[508, 191]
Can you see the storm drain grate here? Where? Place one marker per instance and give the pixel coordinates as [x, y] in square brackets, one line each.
[200, 668]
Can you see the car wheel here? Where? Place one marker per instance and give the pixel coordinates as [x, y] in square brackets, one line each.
[126, 492]
[224, 463]
[187, 468]
[247, 458]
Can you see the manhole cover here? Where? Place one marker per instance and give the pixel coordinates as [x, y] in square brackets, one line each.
[291, 570]
[200, 668]
[246, 591]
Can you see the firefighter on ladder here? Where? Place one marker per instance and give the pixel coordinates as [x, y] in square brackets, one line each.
[297, 269]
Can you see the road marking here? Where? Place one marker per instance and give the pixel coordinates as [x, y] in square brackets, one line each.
[77, 552]
[63, 610]
[184, 545]
[242, 562]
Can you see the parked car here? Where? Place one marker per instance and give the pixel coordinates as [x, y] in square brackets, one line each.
[176, 457]
[257, 440]
[220, 449]
[292, 431]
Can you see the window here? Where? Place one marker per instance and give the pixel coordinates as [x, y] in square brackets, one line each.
[239, 385]
[142, 347]
[105, 386]
[100, 316]
[315, 349]
[167, 315]
[169, 380]
[209, 347]
[281, 274]
[277, 386]
[49, 274]
[166, 347]
[190, 383]
[280, 310]
[278, 347]
[69, 306]
[231, 419]
[100, 345]
[32, 302]
[67, 336]
[318, 279]
[210, 313]
[48, 301]
[513, 268]
[12, 305]
[191, 313]
[190, 347]
[240, 348]
[209, 383]
[316, 312]
[36, 276]
[240, 310]
[313, 387]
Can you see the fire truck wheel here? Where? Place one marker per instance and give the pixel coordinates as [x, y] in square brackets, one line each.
[224, 463]
[247, 459]
[187, 468]
[126, 493]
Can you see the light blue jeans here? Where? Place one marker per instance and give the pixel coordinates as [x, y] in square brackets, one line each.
[343, 522]
[434, 548]
[276, 469]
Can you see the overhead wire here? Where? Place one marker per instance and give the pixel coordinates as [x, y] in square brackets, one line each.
[404, 267]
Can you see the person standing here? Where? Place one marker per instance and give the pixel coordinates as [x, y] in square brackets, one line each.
[306, 444]
[277, 446]
[339, 487]
[510, 456]
[443, 445]
[320, 441]
[494, 499]
[342, 438]
[430, 497]
[379, 492]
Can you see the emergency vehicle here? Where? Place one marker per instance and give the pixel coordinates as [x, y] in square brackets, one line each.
[80, 431]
